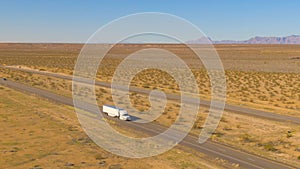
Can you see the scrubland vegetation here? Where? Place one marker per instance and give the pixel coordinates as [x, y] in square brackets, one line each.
[260, 77]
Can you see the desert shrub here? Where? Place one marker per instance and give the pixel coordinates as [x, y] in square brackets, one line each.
[269, 146]
[247, 138]
[100, 157]
[223, 119]
[185, 165]
[218, 134]
[289, 134]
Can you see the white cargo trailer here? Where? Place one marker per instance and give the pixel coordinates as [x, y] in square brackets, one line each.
[114, 111]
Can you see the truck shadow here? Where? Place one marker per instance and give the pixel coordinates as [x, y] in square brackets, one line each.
[134, 118]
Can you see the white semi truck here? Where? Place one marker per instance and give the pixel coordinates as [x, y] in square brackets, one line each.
[114, 111]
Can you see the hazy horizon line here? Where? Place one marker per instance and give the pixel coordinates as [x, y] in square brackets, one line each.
[187, 42]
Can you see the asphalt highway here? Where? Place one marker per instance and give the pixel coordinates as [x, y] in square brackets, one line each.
[212, 149]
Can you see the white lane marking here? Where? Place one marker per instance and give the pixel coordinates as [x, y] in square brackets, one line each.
[221, 149]
[251, 159]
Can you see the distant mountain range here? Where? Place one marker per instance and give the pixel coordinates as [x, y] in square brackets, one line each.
[293, 39]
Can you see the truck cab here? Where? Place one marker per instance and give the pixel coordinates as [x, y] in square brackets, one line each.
[124, 115]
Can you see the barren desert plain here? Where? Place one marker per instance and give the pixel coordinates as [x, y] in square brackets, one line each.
[39, 133]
